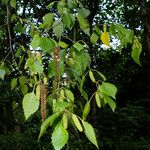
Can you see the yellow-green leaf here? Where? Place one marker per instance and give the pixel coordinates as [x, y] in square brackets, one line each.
[30, 104]
[13, 83]
[97, 98]
[91, 76]
[59, 137]
[77, 122]
[38, 92]
[63, 44]
[69, 95]
[105, 38]
[65, 120]
[90, 133]
[48, 122]
[86, 110]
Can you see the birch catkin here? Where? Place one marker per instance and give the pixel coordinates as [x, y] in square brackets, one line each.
[43, 101]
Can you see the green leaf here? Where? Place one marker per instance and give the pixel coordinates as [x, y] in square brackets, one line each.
[97, 30]
[30, 104]
[108, 89]
[48, 20]
[47, 123]
[136, 54]
[35, 42]
[102, 76]
[51, 71]
[65, 120]
[84, 12]
[37, 67]
[13, 83]
[78, 46]
[46, 45]
[38, 91]
[51, 4]
[68, 21]
[86, 110]
[110, 102]
[90, 133]
[72, 4]
[87, 31]
[91, 76]
[63, 44]
[94, 38]
[2, 73]
[77, 122]
[13, 3]
[61, 106]
[58, 28]
[34, 65]
[24, 89]
[129, 36]
[69, 95]
[84, 24]
[5, 2]
[59, 137]
[136, 51]
[22, 80]
[97, 98]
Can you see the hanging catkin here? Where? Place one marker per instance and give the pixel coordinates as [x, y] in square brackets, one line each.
[43, 101]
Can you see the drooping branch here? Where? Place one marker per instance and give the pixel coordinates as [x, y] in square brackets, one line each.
[56, 71]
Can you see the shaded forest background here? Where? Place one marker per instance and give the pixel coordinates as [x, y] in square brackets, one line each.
[126, 128]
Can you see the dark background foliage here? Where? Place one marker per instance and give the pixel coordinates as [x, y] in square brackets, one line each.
[126, 128]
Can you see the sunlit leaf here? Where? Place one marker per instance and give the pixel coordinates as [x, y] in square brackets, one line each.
[59, 137]
[13, 3]
[78, 46]
[97, 98]
[47, 123]
[77, 122]
[35, 42]
[65, 120]
[69, 95]
[48, 20]
[84, 24]
[94, 38]
[91, 76]
[63, 44]
[58, 28]
[30, 104]
[105, 38]
[61, 106]
[90, 133]
[84, 12]
[68, 21]
[46, 44]
[108, 89]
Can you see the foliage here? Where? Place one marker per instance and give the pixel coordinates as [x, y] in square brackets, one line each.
[53, 65]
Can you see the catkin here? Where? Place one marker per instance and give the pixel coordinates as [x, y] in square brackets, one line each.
[43, 101]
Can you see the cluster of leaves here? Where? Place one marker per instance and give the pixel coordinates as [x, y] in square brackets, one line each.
[73, 67]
